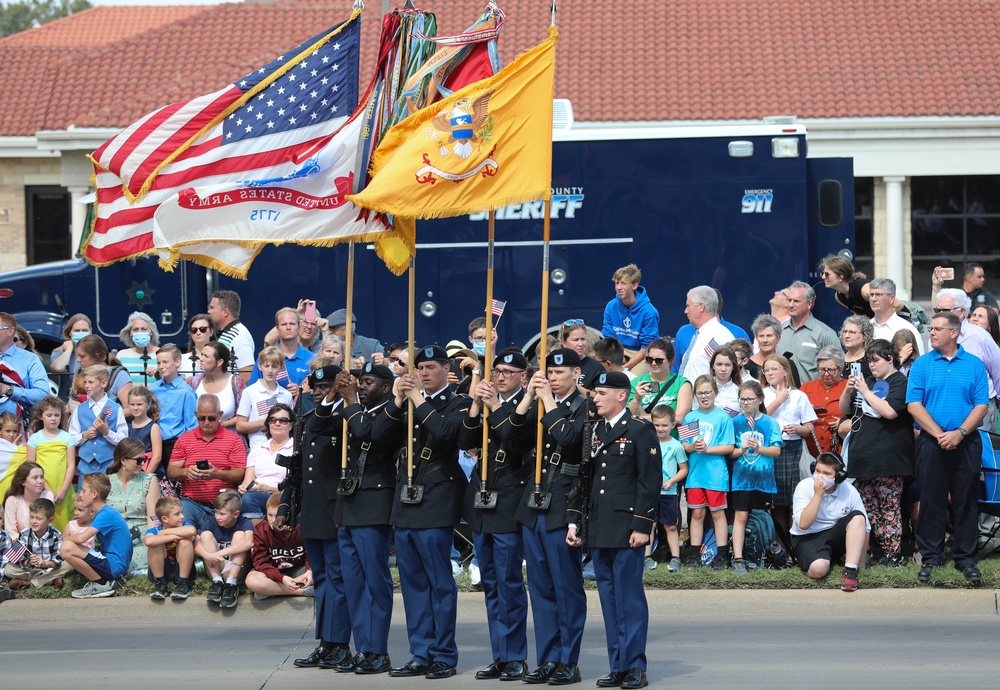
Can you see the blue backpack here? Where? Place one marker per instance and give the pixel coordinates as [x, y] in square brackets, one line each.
[709, 548]
[761, 548]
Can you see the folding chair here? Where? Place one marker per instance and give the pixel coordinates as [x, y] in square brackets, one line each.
[989, 496]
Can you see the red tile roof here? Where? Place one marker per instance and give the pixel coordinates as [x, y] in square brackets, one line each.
[645, 60]
[103, 25]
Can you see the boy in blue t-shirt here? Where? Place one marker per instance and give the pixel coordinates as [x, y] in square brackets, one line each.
[111, 554]
[171, 550]
[758, 443]
[224, 545]
[674, 470]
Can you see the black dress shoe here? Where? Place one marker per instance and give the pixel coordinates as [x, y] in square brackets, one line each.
[374, 663]
[514, 670]
[337, 656]
[349, 663]
[542, 673]
[439, 670]
[315, 657]
[410, 668]
[612, 680]
[925, 572]
[972, 574]
[636, 678]
[566, 675]
[490, 672]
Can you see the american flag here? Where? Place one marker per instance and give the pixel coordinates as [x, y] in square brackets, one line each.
[710, 348]
[264, 405]
[686, 432]
[16, 553]
[106, 413]
[751, 422]
[265, 123]
[282, 375]
[498, 307]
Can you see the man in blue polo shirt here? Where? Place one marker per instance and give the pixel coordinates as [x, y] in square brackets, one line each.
[23, 382]
[297, 358]
[948, 396]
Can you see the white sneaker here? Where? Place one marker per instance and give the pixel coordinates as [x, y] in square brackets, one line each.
[261, 597]
[309, 591]
[475, 577]
[93, 590]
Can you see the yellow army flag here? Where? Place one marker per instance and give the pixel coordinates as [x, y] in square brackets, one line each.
[487, 146]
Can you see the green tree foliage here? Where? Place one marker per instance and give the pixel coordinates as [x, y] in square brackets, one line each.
[24, 14]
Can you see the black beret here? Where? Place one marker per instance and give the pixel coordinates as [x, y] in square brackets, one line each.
[511, 358]
[379, 371]
[431, 353]
[325, 374]
[563, 357]
[614, 379]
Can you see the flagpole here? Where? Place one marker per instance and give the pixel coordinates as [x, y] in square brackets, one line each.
[487, 499]
[411, 357]
[348, 341]
[540, 500]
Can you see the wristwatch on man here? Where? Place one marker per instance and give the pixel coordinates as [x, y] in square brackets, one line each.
[963, 432]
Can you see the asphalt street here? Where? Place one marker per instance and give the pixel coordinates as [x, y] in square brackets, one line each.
[700, 638]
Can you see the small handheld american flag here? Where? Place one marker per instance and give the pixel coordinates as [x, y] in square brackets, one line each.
[16, 553]
[106, 413]
[498, 307]
[750, 422]
[710, 348]
[686, 432]
[282, 375]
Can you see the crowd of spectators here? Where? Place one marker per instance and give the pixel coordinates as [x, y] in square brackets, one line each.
[867, 419]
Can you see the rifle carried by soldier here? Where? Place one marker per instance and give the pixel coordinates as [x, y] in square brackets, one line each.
[291, 485]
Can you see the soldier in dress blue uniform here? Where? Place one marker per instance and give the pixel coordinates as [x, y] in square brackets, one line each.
[425, 523]
[555, 569]
[496, 532]
[320, 476]
[363, 511]
[622, 510]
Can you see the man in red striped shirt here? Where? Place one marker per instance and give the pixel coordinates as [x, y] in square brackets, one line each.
[210, 443]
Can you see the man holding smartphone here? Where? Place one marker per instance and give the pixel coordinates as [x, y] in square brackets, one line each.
[206, 460]
[973, 282]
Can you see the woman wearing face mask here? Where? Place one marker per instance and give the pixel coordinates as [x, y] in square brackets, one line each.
[142, 339]
[881, 449]
[63, 357]
[573, 335]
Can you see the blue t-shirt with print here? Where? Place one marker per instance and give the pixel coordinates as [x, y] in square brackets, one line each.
[755, 472]
[706, 471]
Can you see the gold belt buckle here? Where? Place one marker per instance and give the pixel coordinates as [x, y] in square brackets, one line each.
[555, 459]
[366, 445]
[425, 453]
[501, 457]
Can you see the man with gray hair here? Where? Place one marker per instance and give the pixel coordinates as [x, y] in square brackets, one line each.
[882, 297]
[702, 309]
[975, 341]
[803, 335]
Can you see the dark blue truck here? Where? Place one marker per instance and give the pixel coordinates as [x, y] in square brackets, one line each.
[742, 208]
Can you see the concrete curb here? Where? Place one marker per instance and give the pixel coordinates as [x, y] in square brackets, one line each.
[662, 604]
